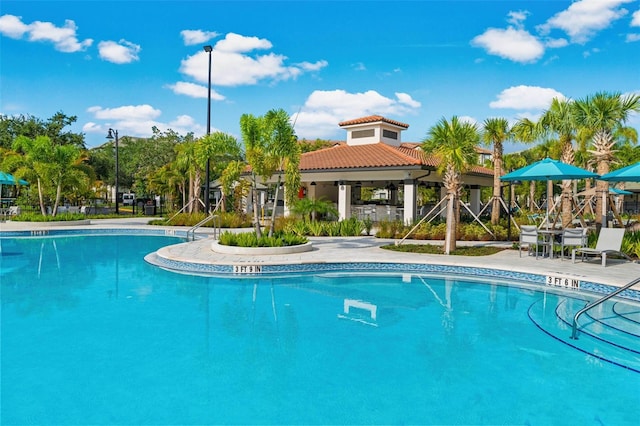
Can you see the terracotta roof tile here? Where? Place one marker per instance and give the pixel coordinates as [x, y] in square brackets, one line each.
[372, 119]
[343, 156]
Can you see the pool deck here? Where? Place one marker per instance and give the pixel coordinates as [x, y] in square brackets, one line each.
[618, 272]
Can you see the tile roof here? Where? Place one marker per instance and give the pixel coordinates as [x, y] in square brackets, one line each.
[372, 119]
[343, 156]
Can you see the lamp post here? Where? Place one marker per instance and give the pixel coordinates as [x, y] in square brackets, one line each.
[208, 49]
[110, 135]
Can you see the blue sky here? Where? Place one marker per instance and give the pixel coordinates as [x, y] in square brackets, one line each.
[132, 65]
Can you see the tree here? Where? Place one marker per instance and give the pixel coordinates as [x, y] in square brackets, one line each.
[453, 143]
[251, 128]
[559, 120]
[53, 166]
[271, 148]
[495, 132]
[191, 164]
[284, 152]
[604, 115]
[525, 131]
[11, 127]
[221, 149]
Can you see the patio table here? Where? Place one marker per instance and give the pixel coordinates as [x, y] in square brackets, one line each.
[549, 237]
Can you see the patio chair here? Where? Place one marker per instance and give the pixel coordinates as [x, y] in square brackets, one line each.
[573, 237]
[609, 242]
[529, 235]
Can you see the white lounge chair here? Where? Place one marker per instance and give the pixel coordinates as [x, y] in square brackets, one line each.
[609, 242]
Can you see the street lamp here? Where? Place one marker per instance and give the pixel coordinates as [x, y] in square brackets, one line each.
[208, 49]
[110, 136]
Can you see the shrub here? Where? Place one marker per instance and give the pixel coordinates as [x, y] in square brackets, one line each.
[38, 217]
[250, 239]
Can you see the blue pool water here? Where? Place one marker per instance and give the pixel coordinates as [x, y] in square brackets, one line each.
[91, 334]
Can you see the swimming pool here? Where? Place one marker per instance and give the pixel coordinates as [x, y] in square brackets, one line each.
[91, 334]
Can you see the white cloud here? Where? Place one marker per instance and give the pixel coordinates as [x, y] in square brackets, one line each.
[359, 66]
[235, 64]
[194, 90]
[122, 52]
[526, 98]
[517, 18]
[555, 43]
[632, 37]
[635, 20]
[406, 99]
[467, 119]
[316, 66]
[191, 37]
[239, 44]
[511, 43]
[63, 38]
[323, 110]
[584, 18]
[12, 26]
[137, 112]
[138, 120]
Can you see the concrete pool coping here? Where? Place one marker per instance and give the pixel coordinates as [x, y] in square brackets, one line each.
[354, 250]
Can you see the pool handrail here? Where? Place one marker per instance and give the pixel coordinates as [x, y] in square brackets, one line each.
[574, 332]
[212, 216]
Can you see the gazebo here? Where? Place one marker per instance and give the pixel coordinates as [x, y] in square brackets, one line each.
[374, 156]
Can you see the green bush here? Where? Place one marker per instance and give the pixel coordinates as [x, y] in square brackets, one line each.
[250, 239]
[37, 217]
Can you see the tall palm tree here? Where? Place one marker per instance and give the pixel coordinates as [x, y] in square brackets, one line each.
[252, 130]
[284, 151]
[604, 115]
[496, 131]
[559, 121]
[187, 160]
[453, 143]
[525, 131]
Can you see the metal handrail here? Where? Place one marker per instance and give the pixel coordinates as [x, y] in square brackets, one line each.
[574, 332]
[216, 226]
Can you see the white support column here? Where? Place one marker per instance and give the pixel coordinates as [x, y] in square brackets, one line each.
[344, 200]
[474, 199]
[410, 201]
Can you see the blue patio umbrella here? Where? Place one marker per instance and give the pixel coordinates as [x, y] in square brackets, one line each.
[626, 174]
[8, 180]
[548, 169]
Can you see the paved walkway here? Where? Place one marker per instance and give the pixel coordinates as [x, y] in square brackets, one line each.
[366, 249]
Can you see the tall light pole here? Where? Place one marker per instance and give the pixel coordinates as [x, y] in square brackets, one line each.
[110, 136]
[208, 49]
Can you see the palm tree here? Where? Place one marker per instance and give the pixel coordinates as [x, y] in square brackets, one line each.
[559, 120]
[453, 143]
[187, 160]
[604, 115]
[221, 149]
[525, 131]
[54, 166]
[496, 132]
[284, 152]
[252, 130]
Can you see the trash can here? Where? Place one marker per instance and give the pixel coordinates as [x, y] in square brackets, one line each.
[149, 210]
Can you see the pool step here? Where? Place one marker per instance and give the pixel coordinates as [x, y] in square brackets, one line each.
[606, 334]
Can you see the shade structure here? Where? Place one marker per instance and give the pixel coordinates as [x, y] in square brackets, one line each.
[548, 169]
[626, 174]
